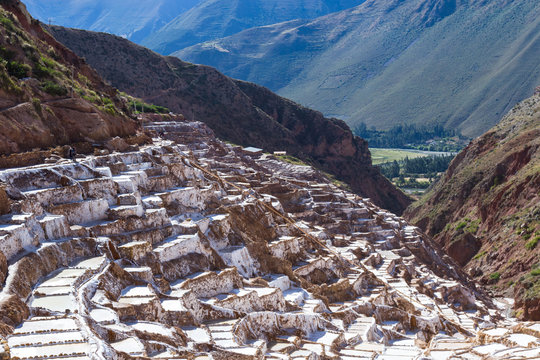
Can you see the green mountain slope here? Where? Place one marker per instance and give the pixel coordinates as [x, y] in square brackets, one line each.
[458, 63]
[214, 19]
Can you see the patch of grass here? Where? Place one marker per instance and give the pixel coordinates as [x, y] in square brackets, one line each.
[535, 272]
[461, 225]
[50, 87]
[109, 109]
[473, 226]
[479, 255]
[495, 276]
[291, 160]
[533, 243]
[37, 105]
[40, 71]
[7, 23]
[379, 156]
[17, 69]
[141, 107]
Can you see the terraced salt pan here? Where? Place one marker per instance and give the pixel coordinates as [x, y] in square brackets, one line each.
[497, 332]
[55, 290]
[40, 352]
[58, 281]
[129, 346]
[55, 303]
[44, 324]
[45, 338]
[197, 334]
[489, 349]
[104, 315]
[153, 328]
[93, 263]
[524, 340]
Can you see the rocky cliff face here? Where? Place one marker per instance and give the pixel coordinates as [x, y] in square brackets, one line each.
[48, 95]
[237, 111]
[485, 212]
[189, 247]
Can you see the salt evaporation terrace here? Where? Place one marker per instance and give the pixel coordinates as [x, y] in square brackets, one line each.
[143, 255]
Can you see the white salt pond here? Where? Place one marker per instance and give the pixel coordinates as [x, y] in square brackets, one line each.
[153, 328]
[129, 346]
[524, 340]
[103, 315]
[40, 352]
[54, 303]
[198, 335]
[61, 324]
[172, 305]
[45, 338]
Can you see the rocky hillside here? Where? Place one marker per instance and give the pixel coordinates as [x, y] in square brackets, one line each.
[191, 248]
[48, 95]
[463, 64]
[240, 112]
[485, 212]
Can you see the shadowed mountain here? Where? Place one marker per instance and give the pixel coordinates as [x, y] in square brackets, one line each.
[240, 112]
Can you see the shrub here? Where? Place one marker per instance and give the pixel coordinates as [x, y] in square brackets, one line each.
[532, 244]
[473, 227]
[37, 105]
[17, 69]
[461, 225]
[53, 88]
[7, 23]
[479, 255]
[495, 276]
[109, 109]
[40, 71]
[50, 63]
[6, 54]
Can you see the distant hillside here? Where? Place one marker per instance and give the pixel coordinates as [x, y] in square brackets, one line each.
[132, 19]
[48, 95]
[214, 19]
[240, 112]
[486, 210]
[461, 63]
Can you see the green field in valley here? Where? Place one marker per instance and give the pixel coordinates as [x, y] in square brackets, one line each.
[379, 156]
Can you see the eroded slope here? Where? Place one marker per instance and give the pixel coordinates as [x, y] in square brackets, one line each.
[49, 96]
[485, 212]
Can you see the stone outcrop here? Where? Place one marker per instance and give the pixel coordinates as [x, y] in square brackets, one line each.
[189, 247]
[485, 211]
[254, 116]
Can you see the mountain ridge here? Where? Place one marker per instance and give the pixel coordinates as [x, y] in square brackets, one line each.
[243, 113]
